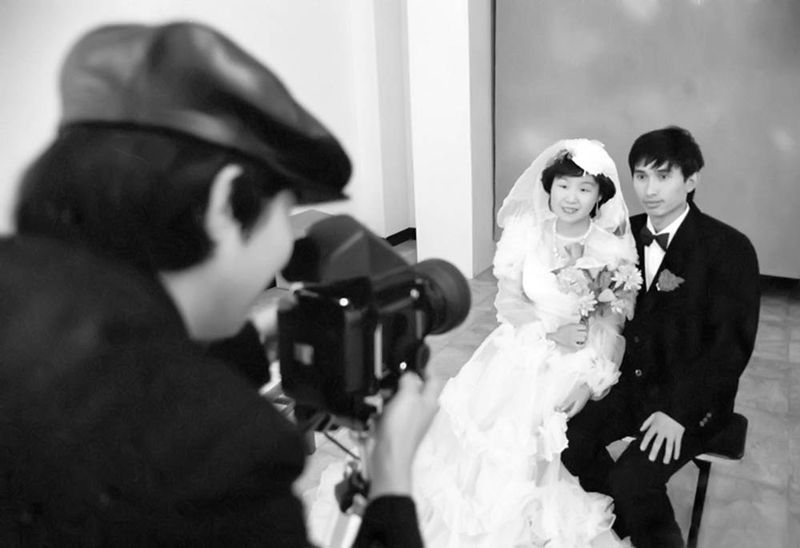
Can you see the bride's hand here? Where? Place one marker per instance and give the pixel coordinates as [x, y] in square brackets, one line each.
[575, 401]
[572, 335]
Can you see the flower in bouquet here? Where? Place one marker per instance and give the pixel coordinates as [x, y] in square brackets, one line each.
[586, 304]
[627, 276]
[601, 288]
[576, 280]
[617, 288]
[572, 279]
[623, 307]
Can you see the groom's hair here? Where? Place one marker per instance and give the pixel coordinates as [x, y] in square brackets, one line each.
[563, 166]
[673, 146]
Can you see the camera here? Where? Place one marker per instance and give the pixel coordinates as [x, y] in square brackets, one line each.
[359, 318]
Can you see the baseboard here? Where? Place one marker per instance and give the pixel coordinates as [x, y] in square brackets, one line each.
[778, 282]
[403, 236]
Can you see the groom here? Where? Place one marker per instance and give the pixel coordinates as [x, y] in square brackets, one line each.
[691, 337]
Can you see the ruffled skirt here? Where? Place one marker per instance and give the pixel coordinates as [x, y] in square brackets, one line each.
[488, 474]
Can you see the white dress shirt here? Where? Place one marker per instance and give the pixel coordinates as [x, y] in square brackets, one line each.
[653, 254]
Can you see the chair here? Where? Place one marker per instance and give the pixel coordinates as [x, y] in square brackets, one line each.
[725, 447]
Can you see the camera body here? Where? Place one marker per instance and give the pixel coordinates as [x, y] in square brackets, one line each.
[342, 342]
[345, 337]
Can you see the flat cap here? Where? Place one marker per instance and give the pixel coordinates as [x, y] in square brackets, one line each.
[189, 78]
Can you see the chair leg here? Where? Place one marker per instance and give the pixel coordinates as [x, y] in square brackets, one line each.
[699, 502]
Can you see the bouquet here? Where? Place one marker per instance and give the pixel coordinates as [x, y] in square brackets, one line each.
[601, 289]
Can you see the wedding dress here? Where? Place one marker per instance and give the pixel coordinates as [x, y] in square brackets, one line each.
[488, 474]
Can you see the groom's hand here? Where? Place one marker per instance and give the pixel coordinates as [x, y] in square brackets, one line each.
[662, 429]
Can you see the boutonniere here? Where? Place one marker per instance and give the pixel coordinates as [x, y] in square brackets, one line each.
[667, 281]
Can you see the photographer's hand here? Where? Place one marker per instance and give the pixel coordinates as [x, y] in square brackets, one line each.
[264, 314]
[399, 431]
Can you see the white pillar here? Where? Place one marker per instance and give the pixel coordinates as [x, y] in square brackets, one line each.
[380, 188]
[450, 87]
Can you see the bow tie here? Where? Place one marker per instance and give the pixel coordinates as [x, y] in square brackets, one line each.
[648, 237]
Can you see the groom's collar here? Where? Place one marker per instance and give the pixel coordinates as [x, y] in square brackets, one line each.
[671, 228]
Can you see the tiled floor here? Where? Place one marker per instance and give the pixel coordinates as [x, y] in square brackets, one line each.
[754, 503]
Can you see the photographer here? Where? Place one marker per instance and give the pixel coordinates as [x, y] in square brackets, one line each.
[146, 230]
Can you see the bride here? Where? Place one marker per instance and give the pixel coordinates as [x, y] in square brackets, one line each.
[489, 473]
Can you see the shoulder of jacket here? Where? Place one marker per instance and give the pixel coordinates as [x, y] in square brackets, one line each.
[713, 229]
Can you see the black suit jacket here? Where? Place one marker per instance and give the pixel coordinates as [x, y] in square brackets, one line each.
[687, 347]
[117, 430]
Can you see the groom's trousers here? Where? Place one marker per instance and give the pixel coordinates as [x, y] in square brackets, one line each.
[637, 485]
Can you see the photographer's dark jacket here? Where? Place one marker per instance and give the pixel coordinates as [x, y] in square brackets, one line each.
[694, 329]
[116, 429]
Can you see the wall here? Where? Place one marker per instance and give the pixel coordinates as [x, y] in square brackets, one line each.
[727, 71]
[328, 53]
[380, 74]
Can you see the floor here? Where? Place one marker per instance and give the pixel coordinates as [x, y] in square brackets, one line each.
[753, 503]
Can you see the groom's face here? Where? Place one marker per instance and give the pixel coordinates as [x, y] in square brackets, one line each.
[663, 191]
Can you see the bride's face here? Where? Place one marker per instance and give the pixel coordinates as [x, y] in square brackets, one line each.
[572, 198]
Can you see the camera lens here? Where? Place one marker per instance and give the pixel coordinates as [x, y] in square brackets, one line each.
[448, 297]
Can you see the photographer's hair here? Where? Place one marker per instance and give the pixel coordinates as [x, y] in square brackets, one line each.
[563, 166]
[136, 194]
[673, 146]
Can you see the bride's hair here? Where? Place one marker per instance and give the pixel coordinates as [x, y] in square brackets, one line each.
[563, 166]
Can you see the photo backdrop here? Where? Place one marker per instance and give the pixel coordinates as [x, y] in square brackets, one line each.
[727, 70]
